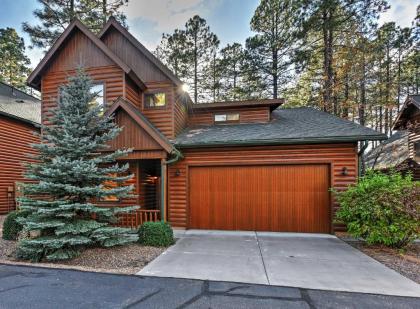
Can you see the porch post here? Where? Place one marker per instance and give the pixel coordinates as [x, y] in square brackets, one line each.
[163, 190]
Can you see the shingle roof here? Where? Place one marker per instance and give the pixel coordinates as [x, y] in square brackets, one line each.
[389, 153]
[18, 104]
[288, 126]
[416, 100]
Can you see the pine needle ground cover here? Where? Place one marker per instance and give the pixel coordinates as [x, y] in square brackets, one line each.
[70, 177]
[128, 259]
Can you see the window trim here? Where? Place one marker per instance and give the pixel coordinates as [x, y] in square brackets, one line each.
[155, 92]
[227, 115]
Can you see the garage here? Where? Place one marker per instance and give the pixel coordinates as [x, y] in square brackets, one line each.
[280, 198]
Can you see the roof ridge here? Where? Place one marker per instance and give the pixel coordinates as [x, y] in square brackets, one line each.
[21, 91]
[60, 40]
[149, 55]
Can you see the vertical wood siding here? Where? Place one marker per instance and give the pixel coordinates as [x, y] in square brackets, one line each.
[15, 138]
[246, 115]
[133, 136]
[134, 58]
[336, 155]
[78, 51]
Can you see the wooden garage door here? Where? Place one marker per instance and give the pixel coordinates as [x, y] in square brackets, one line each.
[286, 198]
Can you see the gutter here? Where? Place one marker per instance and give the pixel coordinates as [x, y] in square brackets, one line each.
[292, 141]
[177, 156]
[35, 124]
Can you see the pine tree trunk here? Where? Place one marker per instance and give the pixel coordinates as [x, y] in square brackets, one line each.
[195, 69]
[71, 10]
[328, 70]
[362, 104]
[274, 73]
[104, 12]
[345, 110]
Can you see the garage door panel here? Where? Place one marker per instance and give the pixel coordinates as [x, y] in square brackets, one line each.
[290, 198]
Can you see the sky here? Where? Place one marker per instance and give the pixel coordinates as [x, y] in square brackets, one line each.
[148, 19]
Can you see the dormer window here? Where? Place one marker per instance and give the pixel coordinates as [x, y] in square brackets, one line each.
[226, 118]
[155, 100]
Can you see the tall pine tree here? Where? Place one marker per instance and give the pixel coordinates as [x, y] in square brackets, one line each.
[14, 64]
[55, 15]
[71, 176]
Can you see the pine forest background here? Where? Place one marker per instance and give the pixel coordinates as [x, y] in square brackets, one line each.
[328, 54]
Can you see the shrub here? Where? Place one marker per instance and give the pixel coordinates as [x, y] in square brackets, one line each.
[12, 228]
[382, 209]
[156, 234]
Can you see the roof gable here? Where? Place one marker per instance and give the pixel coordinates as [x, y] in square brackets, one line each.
[409, 109]
[153, 134]
[142, 51]
[34, 78]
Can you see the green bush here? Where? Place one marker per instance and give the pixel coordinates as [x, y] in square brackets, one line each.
[11, 228]
[382, 209]
[156, 234]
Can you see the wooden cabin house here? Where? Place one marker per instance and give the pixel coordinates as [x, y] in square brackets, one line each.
[401, 152]
[20, 117]
[247, 165]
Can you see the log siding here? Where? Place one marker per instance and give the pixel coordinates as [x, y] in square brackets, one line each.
[15, 139]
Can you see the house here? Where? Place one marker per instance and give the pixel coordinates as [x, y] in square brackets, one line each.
[245, 165]
[402, 151]
[20, 117]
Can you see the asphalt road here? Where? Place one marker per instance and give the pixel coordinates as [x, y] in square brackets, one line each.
[33, 287]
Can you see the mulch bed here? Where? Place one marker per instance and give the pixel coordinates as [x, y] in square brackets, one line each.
[406, 262]
[128, 259]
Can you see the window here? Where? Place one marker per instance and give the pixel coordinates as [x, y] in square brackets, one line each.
[417, 151]
[98, 90]
[234, 117]
[152, 100]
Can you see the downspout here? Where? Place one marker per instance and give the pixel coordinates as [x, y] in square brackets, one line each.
[163, 168]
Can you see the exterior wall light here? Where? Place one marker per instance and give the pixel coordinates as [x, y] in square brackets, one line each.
[177, 173]
[344, 171]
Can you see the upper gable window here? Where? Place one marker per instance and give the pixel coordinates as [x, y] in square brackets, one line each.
[98, 89]
[157, 99]
[223, 118]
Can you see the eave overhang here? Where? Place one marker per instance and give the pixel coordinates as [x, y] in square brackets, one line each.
[284, 141]
[34, 79]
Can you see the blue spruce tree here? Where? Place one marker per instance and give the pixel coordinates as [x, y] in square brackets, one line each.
[72, 174]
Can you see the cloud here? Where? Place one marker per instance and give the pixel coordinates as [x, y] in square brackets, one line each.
[402, 12]
[166, 15]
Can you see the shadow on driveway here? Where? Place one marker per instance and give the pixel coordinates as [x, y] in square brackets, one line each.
[31, 287]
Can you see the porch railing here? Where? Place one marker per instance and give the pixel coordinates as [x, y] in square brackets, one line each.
[137, 217]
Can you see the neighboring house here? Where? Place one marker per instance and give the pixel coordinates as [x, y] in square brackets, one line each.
[246, 165]
[20, 117]
[402, 151]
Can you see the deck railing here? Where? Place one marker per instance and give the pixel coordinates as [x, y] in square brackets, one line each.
[137, 217]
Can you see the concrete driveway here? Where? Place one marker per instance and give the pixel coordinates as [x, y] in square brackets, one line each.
[295, 260]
